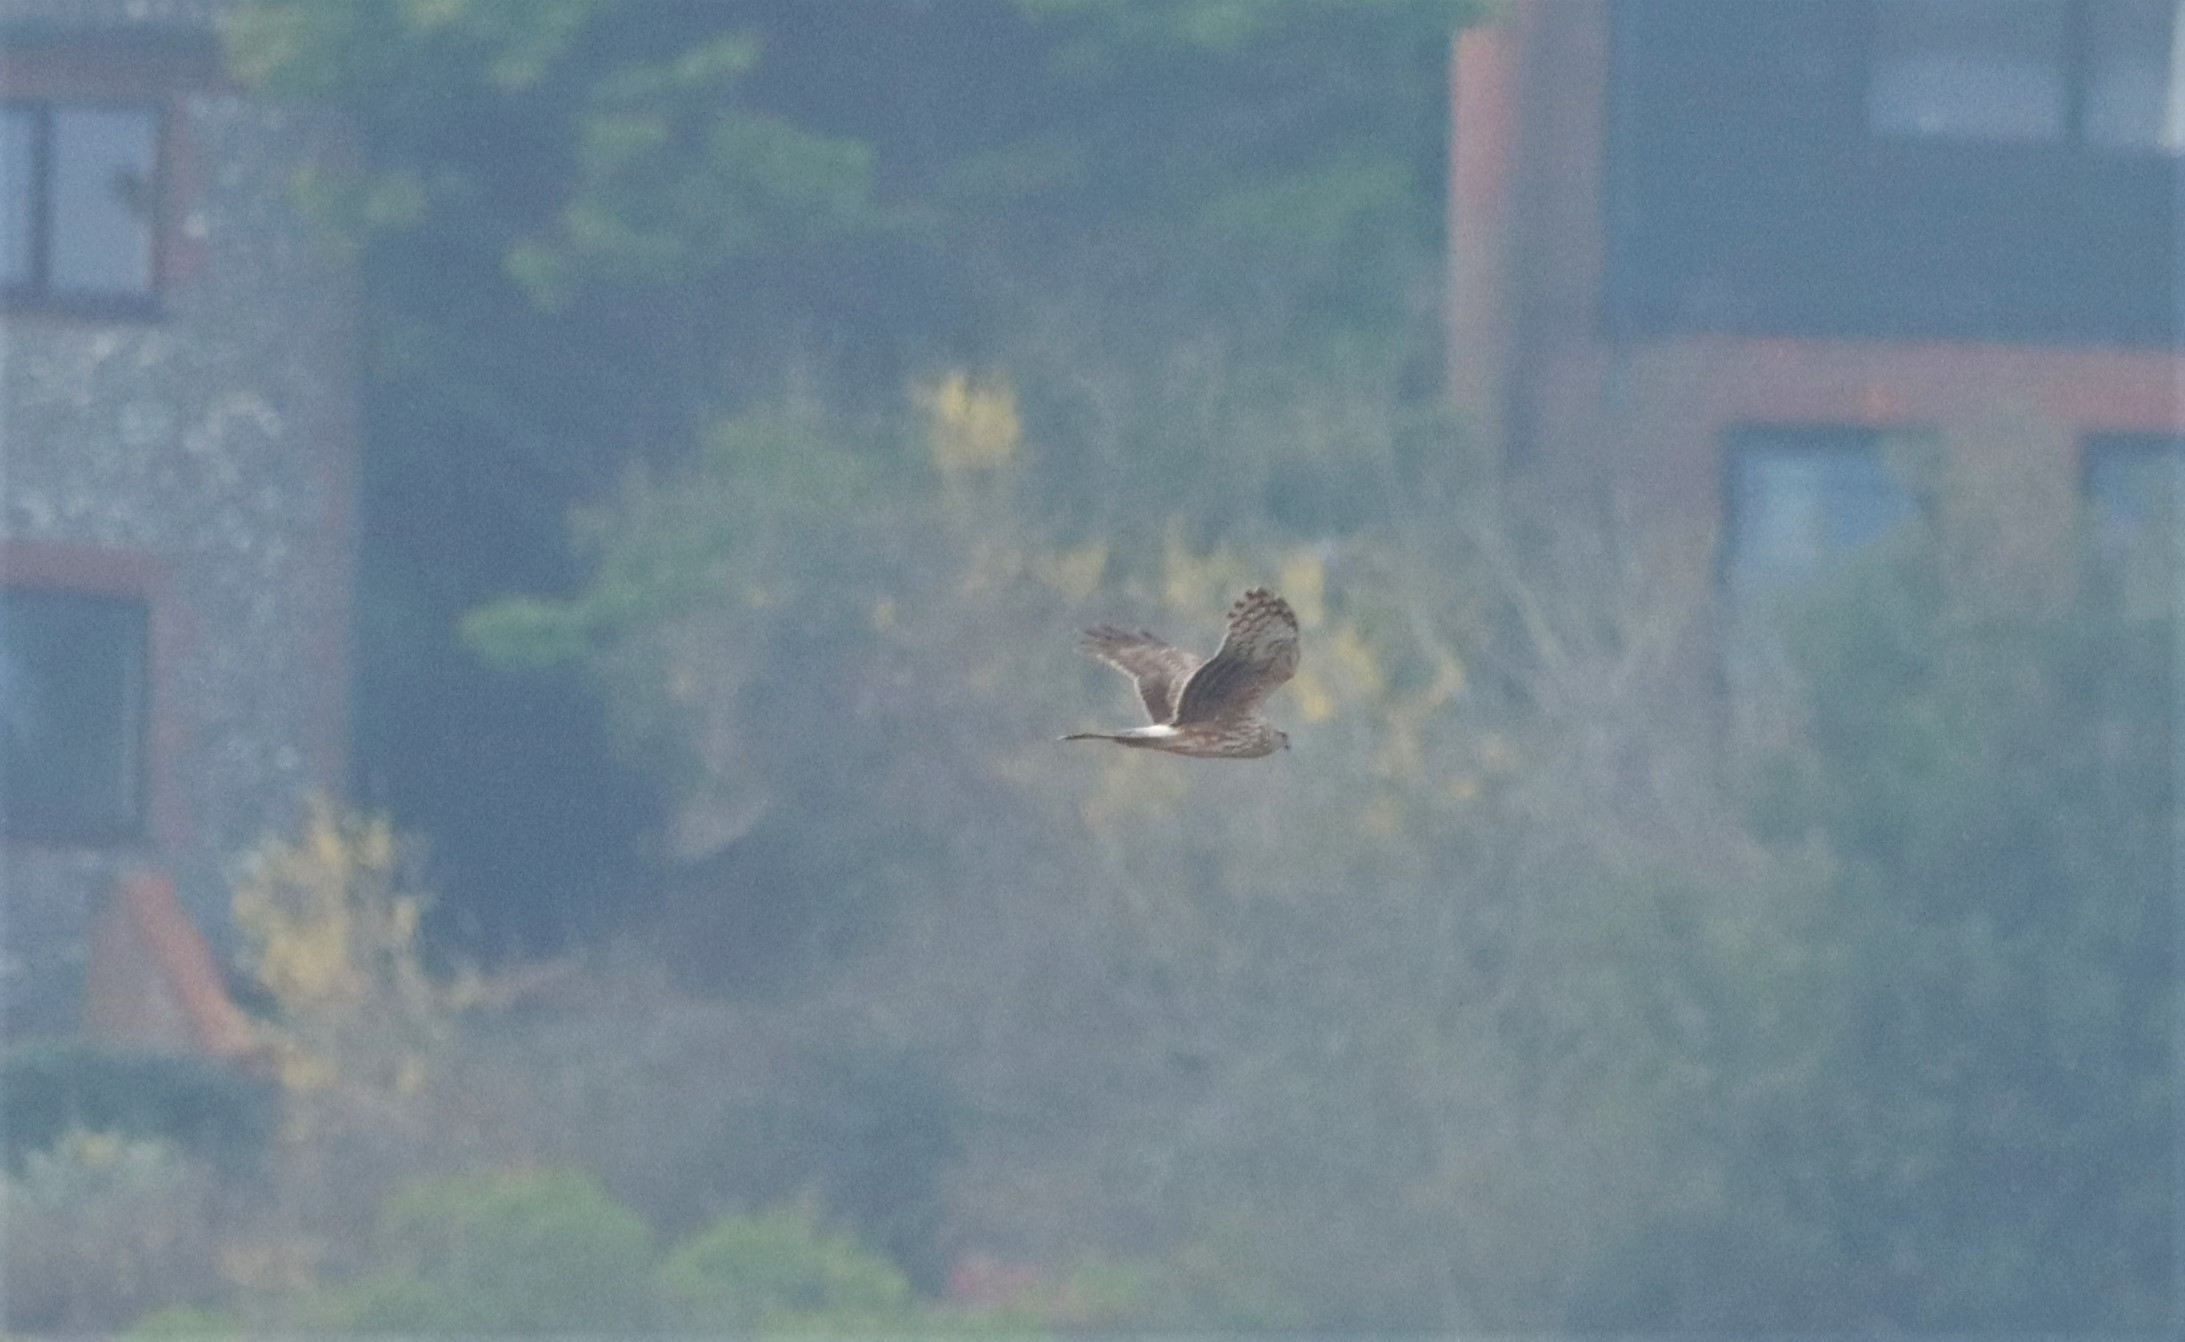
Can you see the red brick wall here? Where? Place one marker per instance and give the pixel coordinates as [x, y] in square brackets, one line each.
[1529, 362]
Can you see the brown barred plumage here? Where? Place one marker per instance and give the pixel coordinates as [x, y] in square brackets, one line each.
[1209, 708]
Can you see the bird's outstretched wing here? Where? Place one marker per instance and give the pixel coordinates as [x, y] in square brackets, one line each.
[1259, 654]
[1159, 668]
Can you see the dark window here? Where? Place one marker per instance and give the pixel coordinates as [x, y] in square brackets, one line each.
[72, 715]
[2134, 486]
[1799, 496]
[1953, 169]
[1977, 69]
[2134, 97]
[2097, 71]
[78, 202]
[18, 135]
[1795, 499]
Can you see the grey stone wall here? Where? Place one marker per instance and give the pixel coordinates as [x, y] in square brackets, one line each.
[216, 438]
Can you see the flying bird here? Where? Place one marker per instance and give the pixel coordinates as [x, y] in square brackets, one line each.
[1207, 708]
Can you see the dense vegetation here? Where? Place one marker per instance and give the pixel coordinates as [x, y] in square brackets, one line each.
[872, 349]
[589, 228]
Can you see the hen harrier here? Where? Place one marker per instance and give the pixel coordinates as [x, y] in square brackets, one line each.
[1206, 708]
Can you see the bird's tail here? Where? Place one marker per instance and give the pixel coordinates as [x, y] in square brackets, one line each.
[1129, 736]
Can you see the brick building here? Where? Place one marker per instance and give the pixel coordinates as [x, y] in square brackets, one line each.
[1728, 255]
[177, 430]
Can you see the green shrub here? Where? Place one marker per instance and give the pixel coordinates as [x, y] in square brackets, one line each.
[778, 1269]
[99, 1228]
[48, 1089]
[869, 1133]
[187, 1321]
[530, 1251]
[1981, 1139]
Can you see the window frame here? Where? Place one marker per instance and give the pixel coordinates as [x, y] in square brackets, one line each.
[2075, 69]
[2069, 61]
[1740, 442]
[2165, 449]
[1745, 193]
[130, 822]
[119, 575]
[38, 293]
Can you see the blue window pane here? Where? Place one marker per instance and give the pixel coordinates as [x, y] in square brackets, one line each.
[17, 128]
[2133, 486]
[1797, 498]
[104, 168]
[2131, 91]
[1969, 69]
[72, 714]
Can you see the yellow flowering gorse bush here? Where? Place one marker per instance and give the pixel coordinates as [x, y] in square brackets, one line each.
[333, 940]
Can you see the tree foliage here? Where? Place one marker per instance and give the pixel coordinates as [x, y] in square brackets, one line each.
[1992, 786]
[1617, 1020]
[587, 227]
[842, 634]
[780, 1269]
[1523, 994]
[539, 1252]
